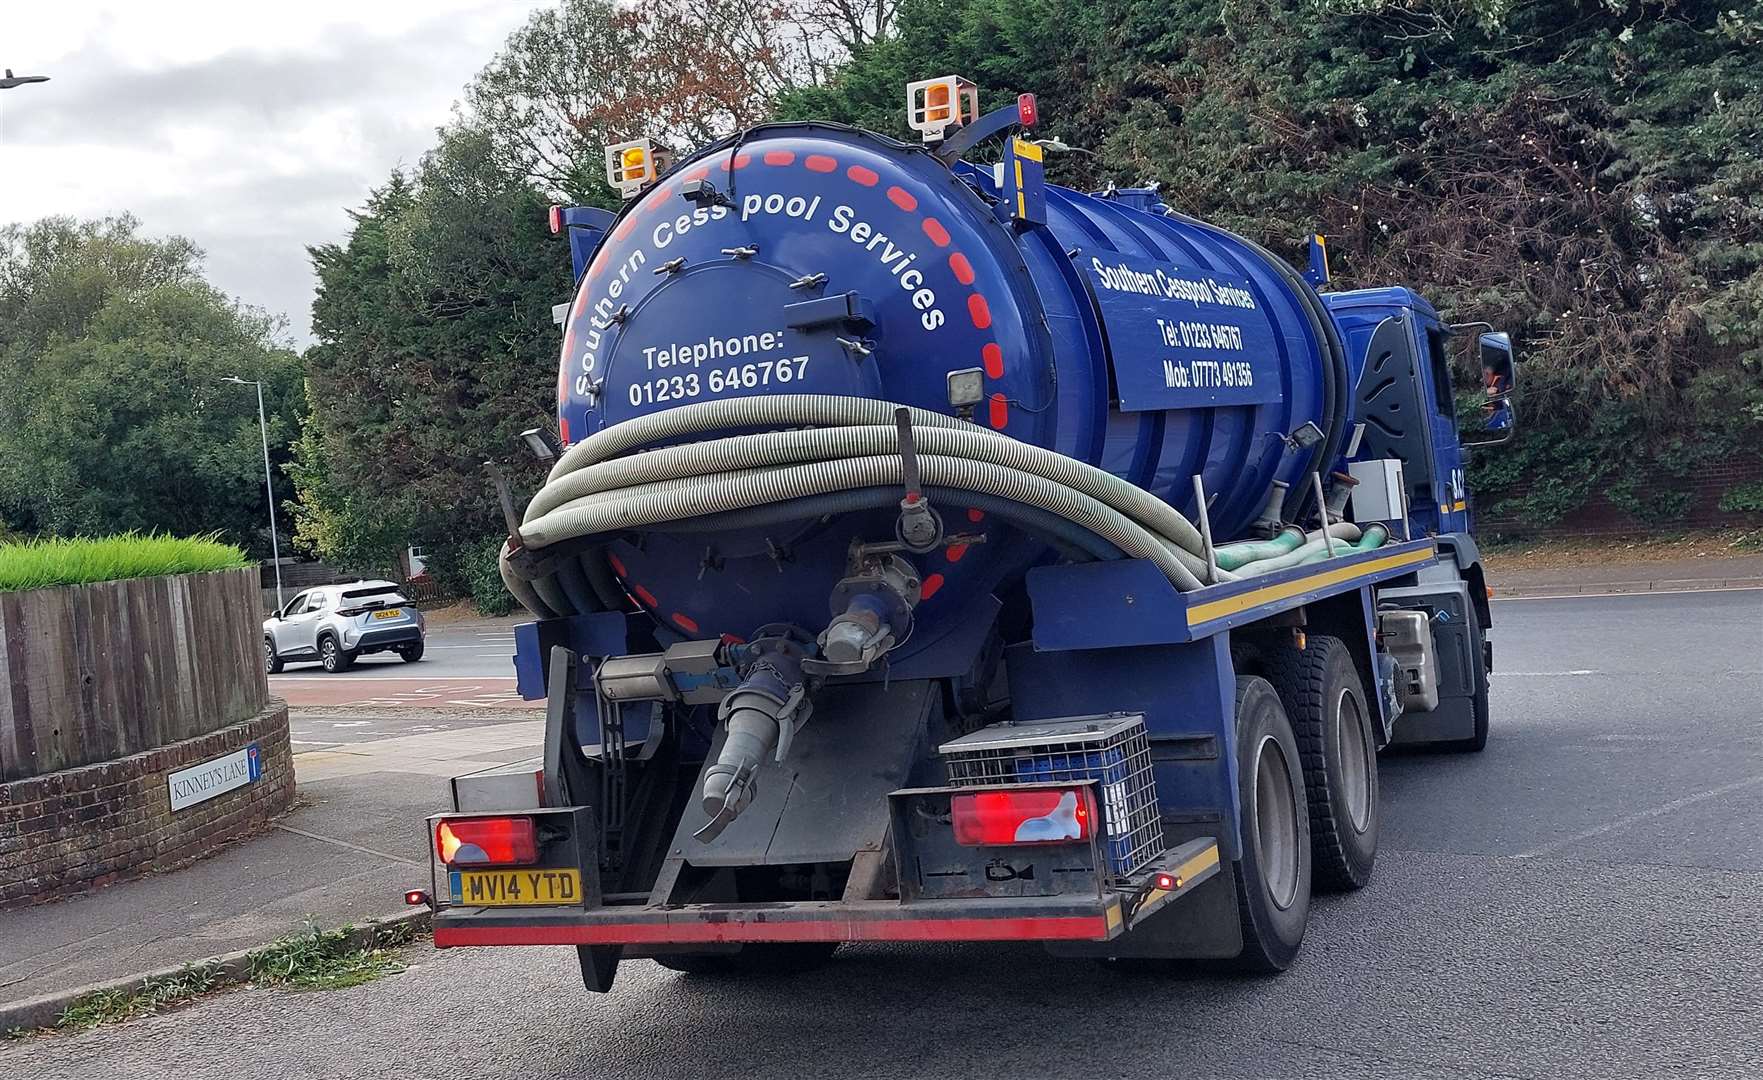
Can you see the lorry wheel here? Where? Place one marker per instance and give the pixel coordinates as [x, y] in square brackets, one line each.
[784, 958]
[1325, 700]
[333, 656]
[1273, 875]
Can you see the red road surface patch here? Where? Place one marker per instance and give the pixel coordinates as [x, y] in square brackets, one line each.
[386, 693]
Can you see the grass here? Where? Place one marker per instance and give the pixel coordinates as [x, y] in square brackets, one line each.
[312, 959]
[37, 564]
[111, 1006]
[327, 959]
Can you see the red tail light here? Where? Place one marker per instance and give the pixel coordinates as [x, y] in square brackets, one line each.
[556, 219]
[1027, 113]
[487, 841]
[1025, 816]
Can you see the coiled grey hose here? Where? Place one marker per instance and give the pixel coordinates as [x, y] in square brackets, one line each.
[649, 504]
[600, 486]
[847, 428]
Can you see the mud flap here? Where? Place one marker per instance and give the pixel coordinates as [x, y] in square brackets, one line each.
[599, 965]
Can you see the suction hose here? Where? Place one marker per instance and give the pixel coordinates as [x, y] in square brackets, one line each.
[1235, 556]
[840, 446]
[592, 490]
[1345, 535]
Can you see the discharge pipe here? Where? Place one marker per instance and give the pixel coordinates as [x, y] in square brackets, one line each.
[761, 713]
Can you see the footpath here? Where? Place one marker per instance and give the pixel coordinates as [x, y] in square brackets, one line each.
[343, 856]
[1600, 577]
[355, 841]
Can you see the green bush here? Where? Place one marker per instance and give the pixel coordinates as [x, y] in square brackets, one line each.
[470, 569]
[37, 564]
[1743, 498]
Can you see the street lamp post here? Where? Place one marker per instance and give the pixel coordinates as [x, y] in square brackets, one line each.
[268, 484]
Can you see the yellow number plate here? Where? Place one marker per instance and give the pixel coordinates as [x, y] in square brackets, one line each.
[516, 888]
[388, 613]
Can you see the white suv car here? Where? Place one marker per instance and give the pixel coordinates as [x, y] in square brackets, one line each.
[335, 624]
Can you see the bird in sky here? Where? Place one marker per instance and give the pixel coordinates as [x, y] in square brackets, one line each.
[12, 80]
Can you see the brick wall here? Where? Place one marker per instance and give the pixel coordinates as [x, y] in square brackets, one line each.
[91, 825]
[1599, 516]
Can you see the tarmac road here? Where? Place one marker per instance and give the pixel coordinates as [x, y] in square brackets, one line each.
[463, 665]
[1583, 899]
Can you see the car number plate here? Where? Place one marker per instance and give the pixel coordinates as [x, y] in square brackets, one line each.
[388, 613]
[516, 888]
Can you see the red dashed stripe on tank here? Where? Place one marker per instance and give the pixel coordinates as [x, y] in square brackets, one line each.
[978, 309]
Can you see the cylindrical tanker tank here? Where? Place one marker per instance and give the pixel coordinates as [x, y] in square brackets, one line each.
[811, 259]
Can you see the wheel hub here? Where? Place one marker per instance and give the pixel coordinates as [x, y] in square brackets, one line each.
[1355, 761]
[1276, 823]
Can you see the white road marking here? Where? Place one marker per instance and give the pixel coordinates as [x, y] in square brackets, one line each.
[1645, 815]
[1544, 674]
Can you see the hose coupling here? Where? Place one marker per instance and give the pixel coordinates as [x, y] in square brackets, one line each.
[872, 612]
[762, 714]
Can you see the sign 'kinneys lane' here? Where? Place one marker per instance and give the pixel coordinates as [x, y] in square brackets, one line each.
[199, 783]
[1166, 286]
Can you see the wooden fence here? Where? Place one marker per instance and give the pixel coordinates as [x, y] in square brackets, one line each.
[97, 672]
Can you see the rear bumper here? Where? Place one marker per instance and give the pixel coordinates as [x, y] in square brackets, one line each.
[1100, 916]
[381, 639]
[952, 920]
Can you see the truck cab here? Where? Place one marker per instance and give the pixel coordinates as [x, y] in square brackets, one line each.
[1398, 356]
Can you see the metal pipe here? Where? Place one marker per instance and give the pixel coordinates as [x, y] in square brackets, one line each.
[1322, 508]
[1206, 531]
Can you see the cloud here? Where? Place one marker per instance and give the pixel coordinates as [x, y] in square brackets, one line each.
[245, 87]
[250, 130]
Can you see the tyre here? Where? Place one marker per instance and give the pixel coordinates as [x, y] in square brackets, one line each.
[1273, 875]
[333, 656]
[410, 653]
[1325, 701]
[786, 958]
[271, 662]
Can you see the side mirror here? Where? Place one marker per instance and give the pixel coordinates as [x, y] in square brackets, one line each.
[1499, 378]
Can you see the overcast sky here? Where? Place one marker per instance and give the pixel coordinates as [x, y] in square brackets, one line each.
[250, 126]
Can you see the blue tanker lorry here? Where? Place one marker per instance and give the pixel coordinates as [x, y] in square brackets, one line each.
[935, 553]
